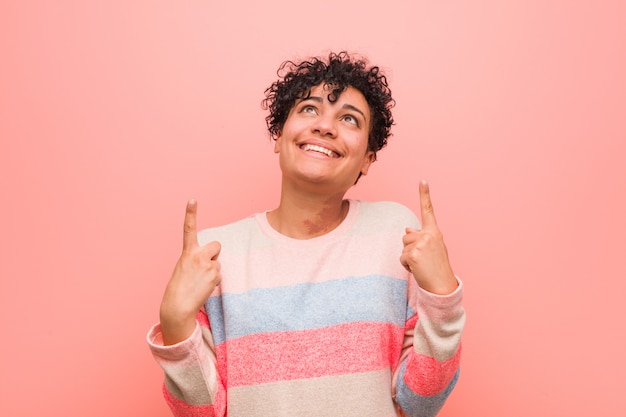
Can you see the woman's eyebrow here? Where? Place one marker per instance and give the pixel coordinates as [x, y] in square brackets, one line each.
[312, 98]
[356, 109]
[345, 106]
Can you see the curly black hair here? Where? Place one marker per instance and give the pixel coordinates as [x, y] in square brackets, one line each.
[340, 71]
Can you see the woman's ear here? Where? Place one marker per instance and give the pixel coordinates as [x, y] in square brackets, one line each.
[370, 157]
[276, 144]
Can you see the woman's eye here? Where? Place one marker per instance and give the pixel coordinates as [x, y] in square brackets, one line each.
[351, 119]
[308, 109]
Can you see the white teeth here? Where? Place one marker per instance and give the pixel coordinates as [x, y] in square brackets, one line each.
[309, 147]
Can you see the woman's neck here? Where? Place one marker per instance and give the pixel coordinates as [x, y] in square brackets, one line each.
[303, 215]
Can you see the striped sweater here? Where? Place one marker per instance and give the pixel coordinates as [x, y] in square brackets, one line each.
[329, 326]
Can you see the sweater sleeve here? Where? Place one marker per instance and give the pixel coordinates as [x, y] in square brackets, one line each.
[429, 365]
[192, 386]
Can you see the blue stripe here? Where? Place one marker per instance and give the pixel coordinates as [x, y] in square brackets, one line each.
[410, 312]
[417, 405]
[305, 306]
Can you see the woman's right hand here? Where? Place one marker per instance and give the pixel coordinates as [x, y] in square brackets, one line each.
[195, 276]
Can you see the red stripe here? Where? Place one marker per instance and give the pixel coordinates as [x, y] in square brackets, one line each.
[411, 322]
[182, 409]
[425, 376]
[336, 350]
[203, 319]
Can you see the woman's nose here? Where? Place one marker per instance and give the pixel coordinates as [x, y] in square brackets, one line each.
[325, 126]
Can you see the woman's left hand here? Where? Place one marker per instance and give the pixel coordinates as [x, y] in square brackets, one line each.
[425, 255]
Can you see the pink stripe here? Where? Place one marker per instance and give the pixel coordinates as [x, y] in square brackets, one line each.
[182, 409]
[336, 350]
[203, 319]
[411, 322]
[268, 274]
[425, 376]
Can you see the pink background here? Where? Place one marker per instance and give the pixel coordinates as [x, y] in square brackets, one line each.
[113, 114]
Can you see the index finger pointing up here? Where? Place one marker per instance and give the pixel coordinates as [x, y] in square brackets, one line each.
[190, 234]
[426, 205]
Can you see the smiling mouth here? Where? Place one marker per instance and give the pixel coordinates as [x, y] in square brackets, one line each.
[319, 149]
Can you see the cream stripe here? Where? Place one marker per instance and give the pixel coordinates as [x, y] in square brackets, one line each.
[438, 340]
[356, 395]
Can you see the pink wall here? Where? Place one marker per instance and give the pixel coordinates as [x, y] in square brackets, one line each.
[113, 114]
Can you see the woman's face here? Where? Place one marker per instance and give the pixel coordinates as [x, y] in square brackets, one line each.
[326, 143]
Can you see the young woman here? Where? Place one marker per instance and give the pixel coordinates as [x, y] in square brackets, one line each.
[323, 306]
